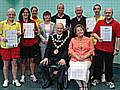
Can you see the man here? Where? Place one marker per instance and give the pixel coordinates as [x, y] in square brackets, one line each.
[11, 52]
[55, 54]
[79, 19]
[61, 15]
[106, 49]
[97, 9]
[97, 16]
[34, 11]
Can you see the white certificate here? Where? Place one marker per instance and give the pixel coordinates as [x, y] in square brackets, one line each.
[29, 30]
[11, 36]
[63, 21]
[90, 24]
[106, 33]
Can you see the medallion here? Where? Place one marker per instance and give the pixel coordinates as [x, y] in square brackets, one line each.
[56, 51]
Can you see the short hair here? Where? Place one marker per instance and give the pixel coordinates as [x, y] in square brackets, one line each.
[78, 6]
[60, 4]
[78, 25]
[46, 13]
[96, 5]
[11, 9]
[33, 7]
[20, 14]
[109, 8]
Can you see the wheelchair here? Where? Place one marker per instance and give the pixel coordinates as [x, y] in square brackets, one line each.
[53, 70]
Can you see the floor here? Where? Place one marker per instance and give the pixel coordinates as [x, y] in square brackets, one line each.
[29, 85]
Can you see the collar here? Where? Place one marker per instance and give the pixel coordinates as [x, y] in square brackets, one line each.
[60, 16]
[108, 22]
[79, 18]
[11, 24]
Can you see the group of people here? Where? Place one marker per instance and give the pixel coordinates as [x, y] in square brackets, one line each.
[69, 47]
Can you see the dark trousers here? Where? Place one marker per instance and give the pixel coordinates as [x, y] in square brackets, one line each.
[107, 58]
[60, 74]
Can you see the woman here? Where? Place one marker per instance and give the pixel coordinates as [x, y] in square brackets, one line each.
[47, 28]
[29, 45]
[80, 49]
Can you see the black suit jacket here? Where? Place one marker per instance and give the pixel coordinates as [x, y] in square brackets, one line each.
[63, 51]
[53, 19]
[75, 21]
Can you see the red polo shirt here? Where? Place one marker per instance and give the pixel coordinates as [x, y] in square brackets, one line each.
[107, 46]
[28, 41]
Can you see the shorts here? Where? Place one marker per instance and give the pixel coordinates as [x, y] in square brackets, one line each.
[29, 51]
[10, 53]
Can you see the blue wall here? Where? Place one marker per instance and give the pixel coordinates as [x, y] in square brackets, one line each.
[69, 8]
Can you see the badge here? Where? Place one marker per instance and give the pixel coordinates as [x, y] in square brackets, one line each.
[56, 51]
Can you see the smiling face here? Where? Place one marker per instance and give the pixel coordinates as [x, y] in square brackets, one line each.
[25, 14]
[59, 28]
[11, 15]
[78, 11]
[34, 12]
[108, 13]
[79, 31]
[60, 8]
[97, 10]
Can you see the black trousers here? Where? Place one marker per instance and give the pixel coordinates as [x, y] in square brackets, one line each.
[107, 58]
[46, 74]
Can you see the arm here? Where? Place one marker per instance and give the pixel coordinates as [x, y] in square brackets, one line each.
[71, 50]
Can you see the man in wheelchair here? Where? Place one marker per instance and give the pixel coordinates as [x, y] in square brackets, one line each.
[56, 54]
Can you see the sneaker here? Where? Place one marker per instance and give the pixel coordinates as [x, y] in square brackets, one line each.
[103, 78]
[111, 85]
[16, 83]
[22, 80]
[33, 78]
[95, 82]
[5, 83]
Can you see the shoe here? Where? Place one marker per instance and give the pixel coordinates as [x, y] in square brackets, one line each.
[47, 84]
[16, 83]
[95, 82]
[5, 83]
[22, 80]
[111, 85]
[103, 78]
[33, 78]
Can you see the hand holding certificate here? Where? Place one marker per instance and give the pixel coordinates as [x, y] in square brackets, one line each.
[90, 24]
[106, 33]
[11, 37]
[29, 30]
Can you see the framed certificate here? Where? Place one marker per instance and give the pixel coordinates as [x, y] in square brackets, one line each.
[106, 33]
[29, 30]
[11, 36]
[90, 24]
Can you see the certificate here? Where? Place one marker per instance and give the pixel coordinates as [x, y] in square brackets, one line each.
[63, 21]
[106, 33]
[11, 36]
[90, 24]
[29, 30]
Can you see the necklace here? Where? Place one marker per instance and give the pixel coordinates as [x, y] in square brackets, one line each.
[56, 51]
[80, 46]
